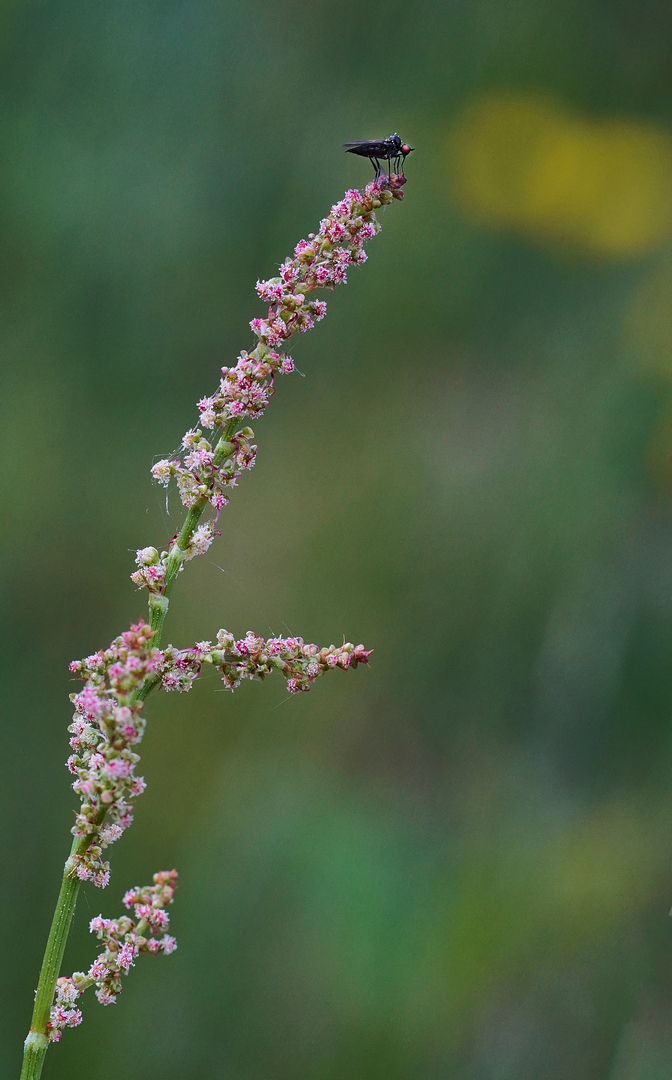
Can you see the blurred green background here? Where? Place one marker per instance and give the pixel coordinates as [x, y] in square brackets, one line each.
[456, 864]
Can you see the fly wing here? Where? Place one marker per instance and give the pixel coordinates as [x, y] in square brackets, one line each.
[365, 147]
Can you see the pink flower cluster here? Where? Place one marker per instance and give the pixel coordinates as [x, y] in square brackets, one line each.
[106, 725]
[151, 572]
[321, 262]
[123, 939]
[204, 472]
[254, 657]
[246, 389]
[181, 667]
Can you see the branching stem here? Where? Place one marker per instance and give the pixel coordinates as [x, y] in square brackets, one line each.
[318, 264]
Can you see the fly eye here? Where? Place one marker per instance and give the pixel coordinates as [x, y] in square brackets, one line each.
[405, 149]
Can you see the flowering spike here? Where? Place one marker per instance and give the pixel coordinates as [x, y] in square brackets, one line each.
[106, 725]
[204, 473]
[123, 940]
[253, 657]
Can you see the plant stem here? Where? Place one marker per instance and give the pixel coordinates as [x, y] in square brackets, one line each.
[37, 1041]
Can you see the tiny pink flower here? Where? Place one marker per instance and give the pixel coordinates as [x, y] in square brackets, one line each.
[158, 919]
[109, 833]
[66, 991]
[126, 957]
[97, 925]
[162, 471]
[105, 996]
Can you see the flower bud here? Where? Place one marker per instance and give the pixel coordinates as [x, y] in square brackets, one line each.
[225, 449]
[148, 556]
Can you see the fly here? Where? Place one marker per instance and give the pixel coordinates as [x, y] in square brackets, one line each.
[390, 149]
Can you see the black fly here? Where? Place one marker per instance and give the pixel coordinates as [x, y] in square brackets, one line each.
[390, 149]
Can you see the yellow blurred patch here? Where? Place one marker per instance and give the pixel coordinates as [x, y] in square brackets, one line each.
[526, 164]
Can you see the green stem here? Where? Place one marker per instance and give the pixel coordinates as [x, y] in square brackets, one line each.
[37, 1042]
